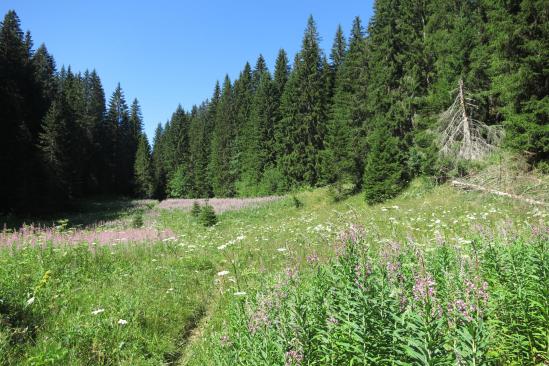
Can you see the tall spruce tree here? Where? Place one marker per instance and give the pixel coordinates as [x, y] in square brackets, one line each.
[117, 127]
[143, 170]
[222, 174]
[519, 71]
[345, 146]
[300, 131]
[392, 89]
[257, 150]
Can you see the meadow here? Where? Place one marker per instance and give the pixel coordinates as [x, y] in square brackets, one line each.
[436, 276]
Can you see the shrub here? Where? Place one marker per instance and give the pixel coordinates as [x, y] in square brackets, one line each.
[195, 210]
[297, 202]
[137, 219]
[207, 216]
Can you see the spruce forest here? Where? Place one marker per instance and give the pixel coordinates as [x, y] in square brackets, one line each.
[364, 114]
[308, 212]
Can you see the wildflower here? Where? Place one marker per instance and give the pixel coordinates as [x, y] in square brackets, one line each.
[240, 293]
[224, 340]
[223, 273]
[221, 247]
[169, 290]
[312, 258]
[281, 250]
[291, 272]
[424, 288]
[293, 358]
[98, 311]
[30, 301]
[122, 322]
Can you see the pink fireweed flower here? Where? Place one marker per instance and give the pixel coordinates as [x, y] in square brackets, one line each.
[312, 258]
[424, 289]
[293, 358]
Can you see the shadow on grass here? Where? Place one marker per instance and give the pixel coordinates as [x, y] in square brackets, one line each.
[82, 213]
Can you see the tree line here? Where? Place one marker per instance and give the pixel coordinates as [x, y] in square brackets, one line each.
[59, 140]
[363, 116]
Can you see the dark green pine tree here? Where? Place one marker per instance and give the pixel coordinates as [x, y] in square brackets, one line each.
[299, 133]
[202, 127]
[136, 122]
[519, 70]
[159, 174]
[383, 172]
[221, 171]
[345, 148]
[280, 78]
[258, 146]
[176, 154]
[339, 48]
[281, 74]
[393, 90]
[56, 148]
[143, 169]
[242, 99]
[94, 96]
[44, 76]
[18, 153]
[120, 163]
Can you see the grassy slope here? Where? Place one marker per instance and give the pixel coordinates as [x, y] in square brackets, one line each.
[162, 289]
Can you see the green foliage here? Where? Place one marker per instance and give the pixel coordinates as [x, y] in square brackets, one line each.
[195, 210]
[137, 219]
[297, 202]
[384, 175]
[397, 304]
[300, 132]
[143, 169]
[179, 185]
[207, 215]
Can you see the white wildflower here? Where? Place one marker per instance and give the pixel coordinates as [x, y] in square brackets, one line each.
[240, 293]
[281, 250]
[98, 311]
[222, 273]
[122, 322]
[30, 301]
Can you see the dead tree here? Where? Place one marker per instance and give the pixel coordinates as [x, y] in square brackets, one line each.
[462, 136]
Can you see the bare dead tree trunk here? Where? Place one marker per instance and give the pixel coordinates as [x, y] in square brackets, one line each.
[462, 136]
[476, 187]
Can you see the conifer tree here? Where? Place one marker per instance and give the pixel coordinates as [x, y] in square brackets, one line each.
[56, 146]
[257, 149]
[345, 146]
[222, 175]
[144, 185]
[159, 175]
[118, 132]
[339, 49]
[519, 71]
[176, 153]
[242, 103]
[392, 88]
[300, 131]
[19, 126]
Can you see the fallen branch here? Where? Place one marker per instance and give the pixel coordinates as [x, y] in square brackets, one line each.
[476, 187]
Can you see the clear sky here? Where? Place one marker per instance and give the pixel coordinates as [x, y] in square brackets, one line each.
[166, 53]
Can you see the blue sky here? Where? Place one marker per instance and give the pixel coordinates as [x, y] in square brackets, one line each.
[168, 52]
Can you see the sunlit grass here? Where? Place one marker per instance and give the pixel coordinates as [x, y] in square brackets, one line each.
[163, 290]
